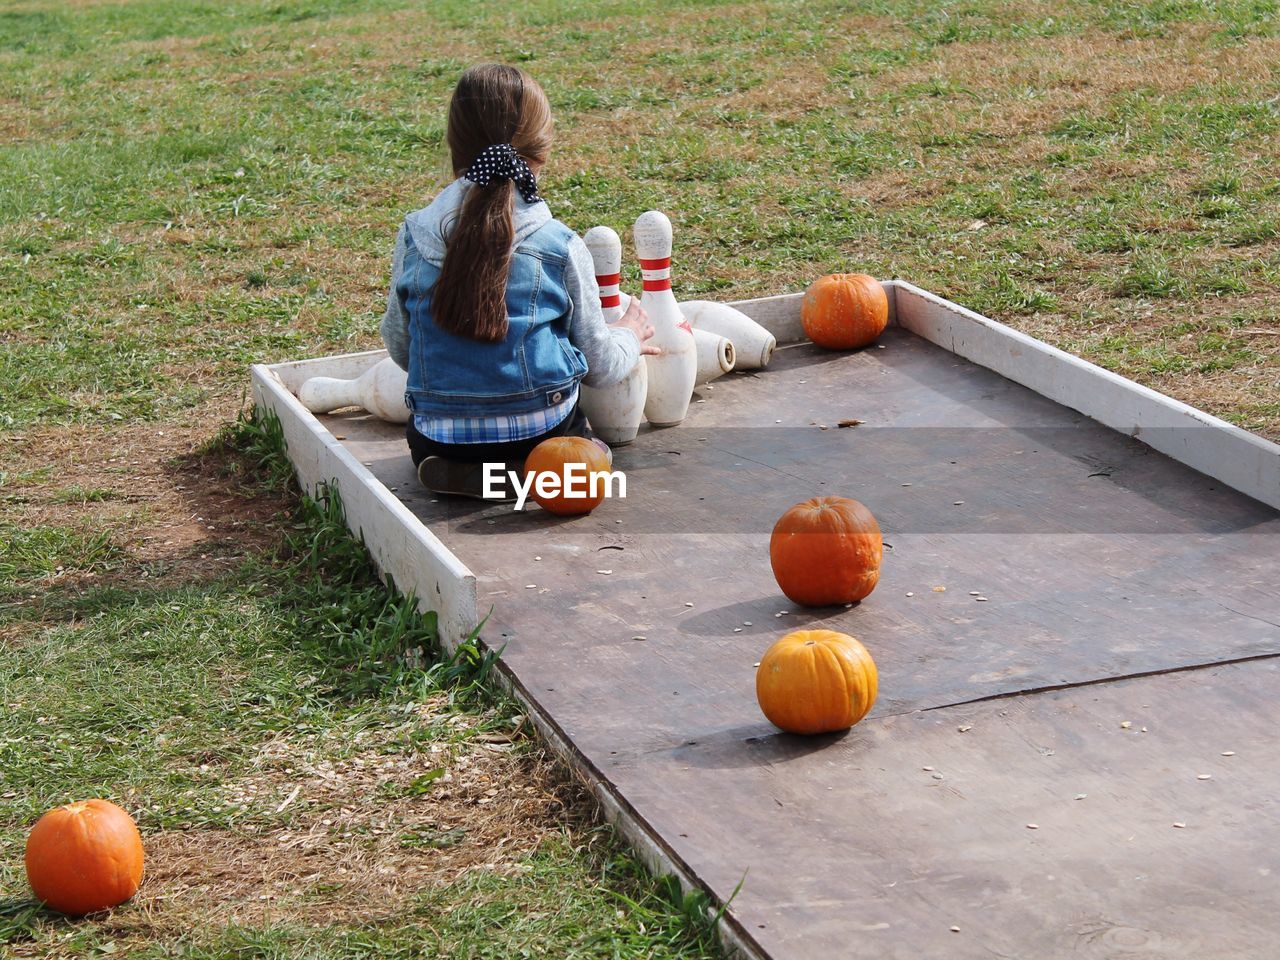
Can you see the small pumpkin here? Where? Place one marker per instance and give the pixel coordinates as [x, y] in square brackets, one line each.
[844, 311]
[825, 551]
[84, 857]
[555, 456]
[816, 681]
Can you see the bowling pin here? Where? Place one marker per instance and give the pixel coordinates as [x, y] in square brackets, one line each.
[715, 355]
[380, 390]
[752, 344]
[672, 372]
[615, 411]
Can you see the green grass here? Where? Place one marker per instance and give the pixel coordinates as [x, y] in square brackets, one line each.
[26, 554]
[163, 698]
[220, 187]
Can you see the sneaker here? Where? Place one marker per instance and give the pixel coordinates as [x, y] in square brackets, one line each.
[460, 479]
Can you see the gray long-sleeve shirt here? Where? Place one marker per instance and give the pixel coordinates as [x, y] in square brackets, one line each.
[611, 352]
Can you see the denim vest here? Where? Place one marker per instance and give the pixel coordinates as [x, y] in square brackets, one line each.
[533, 368]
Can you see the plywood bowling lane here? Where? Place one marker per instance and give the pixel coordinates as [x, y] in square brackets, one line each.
[1069, 554]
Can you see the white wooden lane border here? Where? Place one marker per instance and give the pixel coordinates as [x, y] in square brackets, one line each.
[399, 543]
[1241, 460]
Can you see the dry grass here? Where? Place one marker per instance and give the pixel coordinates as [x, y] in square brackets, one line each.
[353, 853]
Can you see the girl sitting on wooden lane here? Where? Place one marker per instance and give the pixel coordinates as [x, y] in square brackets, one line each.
[494, 309]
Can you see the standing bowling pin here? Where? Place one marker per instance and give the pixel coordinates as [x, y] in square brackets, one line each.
[614, 412]
[715, 355]
[380, 390]
[752, 343]
[672, 372]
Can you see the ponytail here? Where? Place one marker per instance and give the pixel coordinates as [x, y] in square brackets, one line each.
[492, 104]
[470, 297]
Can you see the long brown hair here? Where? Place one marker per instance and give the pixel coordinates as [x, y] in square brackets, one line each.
[492, 104]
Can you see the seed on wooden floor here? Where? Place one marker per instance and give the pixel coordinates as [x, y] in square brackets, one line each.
[1179, 825]
[910, 593]
[848, 606]
[688, 603]
[975, 593]
[1081, 796]
[957, 503]
[1033, 826]
[604, 571]
[755, 664]
[777, 421]
[776, 615]
[1228, 753]
[927, 769]
[1126, 724]
[1205, 776]
[1144, 729]
[737, 629]
[953, 929]
[937, 776]
[746, 623]
[784, 612]
[966, 728]
[530, 586]
[980, 599]
[639, 638]
[537, 558]
[939, 589]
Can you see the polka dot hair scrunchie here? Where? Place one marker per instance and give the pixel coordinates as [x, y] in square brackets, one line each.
[501, 162]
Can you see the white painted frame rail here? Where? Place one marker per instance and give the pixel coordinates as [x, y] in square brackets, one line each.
[1242, 460]
[401, 546]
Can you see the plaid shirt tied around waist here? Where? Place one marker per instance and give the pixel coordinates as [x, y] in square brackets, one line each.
[506, 429]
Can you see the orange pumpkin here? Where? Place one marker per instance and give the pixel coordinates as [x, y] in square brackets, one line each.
[825, 551]
[555, 457]
[84, 857]
[816, 681]
[843, 311]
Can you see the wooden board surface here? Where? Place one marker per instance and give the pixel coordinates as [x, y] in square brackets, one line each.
[1098, 558]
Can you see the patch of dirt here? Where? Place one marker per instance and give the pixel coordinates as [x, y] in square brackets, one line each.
[176, 513]
[359, 844]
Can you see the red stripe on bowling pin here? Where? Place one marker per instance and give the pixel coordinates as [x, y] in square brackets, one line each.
[610, 289]
[656, 274]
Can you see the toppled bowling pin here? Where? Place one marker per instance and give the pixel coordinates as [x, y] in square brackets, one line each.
[614, 412]
[715, 355]
[380, 390]
[752, 344]
[673, 371]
